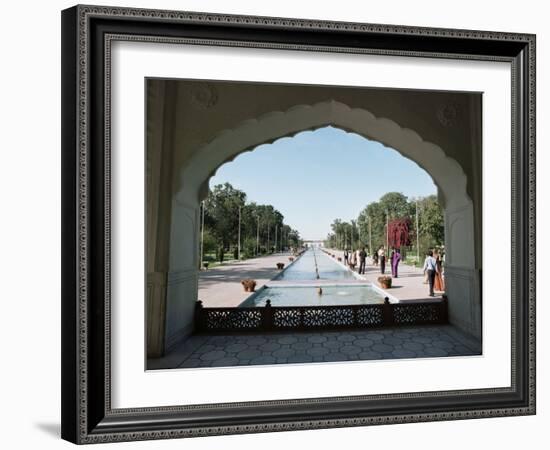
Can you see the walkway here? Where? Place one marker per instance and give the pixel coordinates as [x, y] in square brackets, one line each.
[221, 286]
[408, 286]
[285, 348]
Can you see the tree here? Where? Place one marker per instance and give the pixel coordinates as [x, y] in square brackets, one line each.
[221, 213]
[393, 207]
[209, 243]
[353, 235]
[294, 239]
[396, 204]
[259, 224]
[249, 247]
[431, 223]
[374, 213]
[261, 221]
[338, 231]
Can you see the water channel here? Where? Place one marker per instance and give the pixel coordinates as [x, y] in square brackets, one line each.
[312, 271]
[313, 260]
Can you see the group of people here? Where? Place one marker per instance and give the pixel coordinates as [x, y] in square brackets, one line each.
[433, 265]
[379, 259]
[351, 258]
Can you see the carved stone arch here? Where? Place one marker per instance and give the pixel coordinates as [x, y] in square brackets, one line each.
[461, 276]
[446, 173]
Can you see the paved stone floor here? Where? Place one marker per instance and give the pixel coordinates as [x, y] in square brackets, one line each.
[284, 348]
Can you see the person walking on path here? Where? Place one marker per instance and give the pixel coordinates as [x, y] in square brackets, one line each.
[425, 281]
[394, 260]
[430, 267]
[382, 259]
[439, 285]
[362, 258]
[375, 258]
[346, 256]
[353, 260]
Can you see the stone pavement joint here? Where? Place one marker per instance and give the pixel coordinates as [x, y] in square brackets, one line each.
[352, 345]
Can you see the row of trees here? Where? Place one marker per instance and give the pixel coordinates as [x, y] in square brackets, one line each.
[261, 227]
[369, 229]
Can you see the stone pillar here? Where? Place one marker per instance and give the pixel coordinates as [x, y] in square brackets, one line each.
[159, 154]
[156, 312]
[182, 280]
[462, 278]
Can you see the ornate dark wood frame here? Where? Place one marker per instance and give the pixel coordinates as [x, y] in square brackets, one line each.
[87, 33]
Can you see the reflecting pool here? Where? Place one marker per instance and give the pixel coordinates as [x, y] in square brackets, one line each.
[310, 290]
[309, 296]
[315, 261]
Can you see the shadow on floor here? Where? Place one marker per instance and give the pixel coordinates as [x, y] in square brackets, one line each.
[52, 429]
[430, 341]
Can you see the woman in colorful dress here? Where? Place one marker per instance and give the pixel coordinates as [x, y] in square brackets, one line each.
[439, 284]
[395, 258]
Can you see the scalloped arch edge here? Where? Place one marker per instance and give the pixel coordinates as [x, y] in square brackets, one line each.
[446, 172]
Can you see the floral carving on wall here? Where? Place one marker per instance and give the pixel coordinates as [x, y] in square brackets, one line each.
[448, 114]
[204, 96]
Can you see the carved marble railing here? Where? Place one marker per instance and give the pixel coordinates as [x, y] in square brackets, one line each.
[303, 318]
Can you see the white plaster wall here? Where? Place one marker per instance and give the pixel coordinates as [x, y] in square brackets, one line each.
[461, 275]
[182, 285]
[463, 285]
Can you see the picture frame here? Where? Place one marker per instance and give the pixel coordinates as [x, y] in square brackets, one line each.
[87, 413]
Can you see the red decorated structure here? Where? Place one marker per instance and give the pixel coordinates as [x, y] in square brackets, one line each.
[399, 233]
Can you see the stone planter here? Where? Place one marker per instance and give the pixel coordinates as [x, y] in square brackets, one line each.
[384, 282]
[249, 285]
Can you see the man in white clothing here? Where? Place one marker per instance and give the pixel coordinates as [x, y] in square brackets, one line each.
[430, 267]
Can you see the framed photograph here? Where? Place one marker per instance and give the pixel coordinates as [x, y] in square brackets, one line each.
[280, 224]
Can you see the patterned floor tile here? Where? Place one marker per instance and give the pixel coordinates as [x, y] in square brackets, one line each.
[325, 346]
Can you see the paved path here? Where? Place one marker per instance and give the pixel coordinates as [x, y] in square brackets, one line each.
[221, 286]
[285, 348]
[408, 286]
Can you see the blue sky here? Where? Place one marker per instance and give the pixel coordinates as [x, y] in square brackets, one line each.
[317, 176]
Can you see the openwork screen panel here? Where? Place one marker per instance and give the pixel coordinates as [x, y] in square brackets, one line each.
[233, 319]
[287, 318]
[339, 317]
[318, 317]
[370, 316]
[417, 313]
